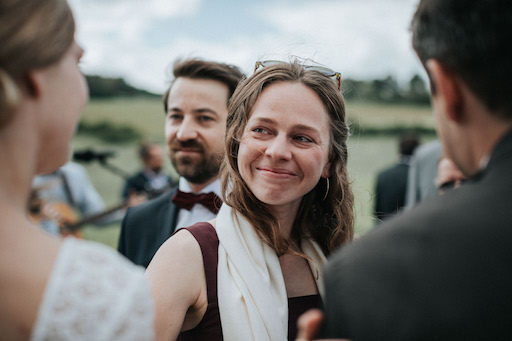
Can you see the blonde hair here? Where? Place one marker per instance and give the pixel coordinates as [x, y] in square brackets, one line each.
[34, 34]
[328, 221]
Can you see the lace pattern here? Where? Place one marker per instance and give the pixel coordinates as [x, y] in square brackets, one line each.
[94, 294]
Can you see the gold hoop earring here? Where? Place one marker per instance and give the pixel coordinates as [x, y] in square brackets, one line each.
[327, 188]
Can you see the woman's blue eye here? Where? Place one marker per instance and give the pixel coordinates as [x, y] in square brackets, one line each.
[205, 118]
[301, 138]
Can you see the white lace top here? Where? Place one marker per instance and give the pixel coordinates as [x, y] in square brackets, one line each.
[94, 294]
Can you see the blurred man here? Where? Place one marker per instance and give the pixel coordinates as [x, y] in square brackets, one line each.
[196, 110]
[422, 173]
[152, 180]
[56, 197]
[392, 182]
[442, 271]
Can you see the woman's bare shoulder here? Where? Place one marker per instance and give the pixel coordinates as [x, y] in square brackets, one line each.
[181, 245]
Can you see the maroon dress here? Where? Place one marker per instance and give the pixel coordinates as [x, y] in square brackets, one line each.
[210, 328]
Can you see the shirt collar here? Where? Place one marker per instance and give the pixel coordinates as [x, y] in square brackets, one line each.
[214, 187]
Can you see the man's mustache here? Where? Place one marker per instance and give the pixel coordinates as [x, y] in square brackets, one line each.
[187, 144]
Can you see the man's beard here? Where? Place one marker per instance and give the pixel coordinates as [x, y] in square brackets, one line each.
[156, 169]
[197, 171]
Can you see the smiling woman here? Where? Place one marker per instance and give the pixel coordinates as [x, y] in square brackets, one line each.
[296, 92]
[249, 274]
[284, 149]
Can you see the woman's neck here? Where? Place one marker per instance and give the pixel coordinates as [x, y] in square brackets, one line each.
[18, 157]
[285, 215]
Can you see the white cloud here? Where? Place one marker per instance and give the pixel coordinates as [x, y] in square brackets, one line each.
[112, 32]
[125, 21]
[359, 38]
[366, 39]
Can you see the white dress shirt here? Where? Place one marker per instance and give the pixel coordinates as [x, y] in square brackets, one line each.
[198, 213]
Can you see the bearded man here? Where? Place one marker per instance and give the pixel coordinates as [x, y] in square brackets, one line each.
[195, 122]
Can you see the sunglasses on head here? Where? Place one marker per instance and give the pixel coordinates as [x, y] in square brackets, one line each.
[322, 69]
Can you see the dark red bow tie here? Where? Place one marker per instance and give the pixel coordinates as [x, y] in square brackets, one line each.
[187, 200]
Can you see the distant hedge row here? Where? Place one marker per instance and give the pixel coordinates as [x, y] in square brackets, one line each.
[119, 134]
[358, 130]
[386, 90]
[102, 87]
[110, 132]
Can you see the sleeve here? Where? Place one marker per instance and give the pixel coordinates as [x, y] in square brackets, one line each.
[378, 201]
[412, 192]
[87, 197]
[121, 245]
[126, 189]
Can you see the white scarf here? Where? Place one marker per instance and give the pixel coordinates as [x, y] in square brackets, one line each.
[253, 303]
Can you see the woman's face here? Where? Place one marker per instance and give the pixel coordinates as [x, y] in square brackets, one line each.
[285, 145]
[64, 94]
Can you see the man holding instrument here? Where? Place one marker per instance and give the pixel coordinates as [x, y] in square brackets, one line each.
[55, 197]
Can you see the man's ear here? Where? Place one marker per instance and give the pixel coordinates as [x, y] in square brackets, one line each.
[447, 89]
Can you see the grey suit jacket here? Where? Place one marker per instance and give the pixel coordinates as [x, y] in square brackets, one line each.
[422, 173]
[441, 271]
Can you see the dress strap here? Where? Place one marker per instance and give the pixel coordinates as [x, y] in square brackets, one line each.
[208, 241]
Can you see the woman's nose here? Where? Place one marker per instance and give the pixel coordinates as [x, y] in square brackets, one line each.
[279, 148]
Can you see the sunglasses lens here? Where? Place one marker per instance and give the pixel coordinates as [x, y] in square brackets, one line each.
[323, 70]
[270, 63]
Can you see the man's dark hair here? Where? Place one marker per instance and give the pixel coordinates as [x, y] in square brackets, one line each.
[145, 149]
[408, 143]
[227, 74]
[472, 39]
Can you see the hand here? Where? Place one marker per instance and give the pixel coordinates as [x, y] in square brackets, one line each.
[448, 175]
[309, 325]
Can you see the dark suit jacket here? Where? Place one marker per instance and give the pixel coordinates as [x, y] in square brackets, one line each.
[441, 271]
[390, 190]
[146, 227]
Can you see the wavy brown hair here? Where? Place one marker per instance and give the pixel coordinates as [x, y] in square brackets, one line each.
[34, 34]
[329, 222]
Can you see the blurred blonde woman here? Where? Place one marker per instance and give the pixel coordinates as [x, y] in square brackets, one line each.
[52, 289]
[249, 274]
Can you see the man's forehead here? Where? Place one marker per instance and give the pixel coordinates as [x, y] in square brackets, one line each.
[198, 95]
[199, 86]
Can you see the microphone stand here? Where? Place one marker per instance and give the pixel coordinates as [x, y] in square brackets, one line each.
[113, 168]
[102, 160]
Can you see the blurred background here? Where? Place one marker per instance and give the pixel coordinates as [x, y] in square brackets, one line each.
[130, 44]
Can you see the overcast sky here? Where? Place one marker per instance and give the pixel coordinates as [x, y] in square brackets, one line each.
[139, 39]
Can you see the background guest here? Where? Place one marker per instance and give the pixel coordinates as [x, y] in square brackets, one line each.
[391, 183]
[422, 173]
[151, 181]
[59, 195]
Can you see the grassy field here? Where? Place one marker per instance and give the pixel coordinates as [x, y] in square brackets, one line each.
[367, 155]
